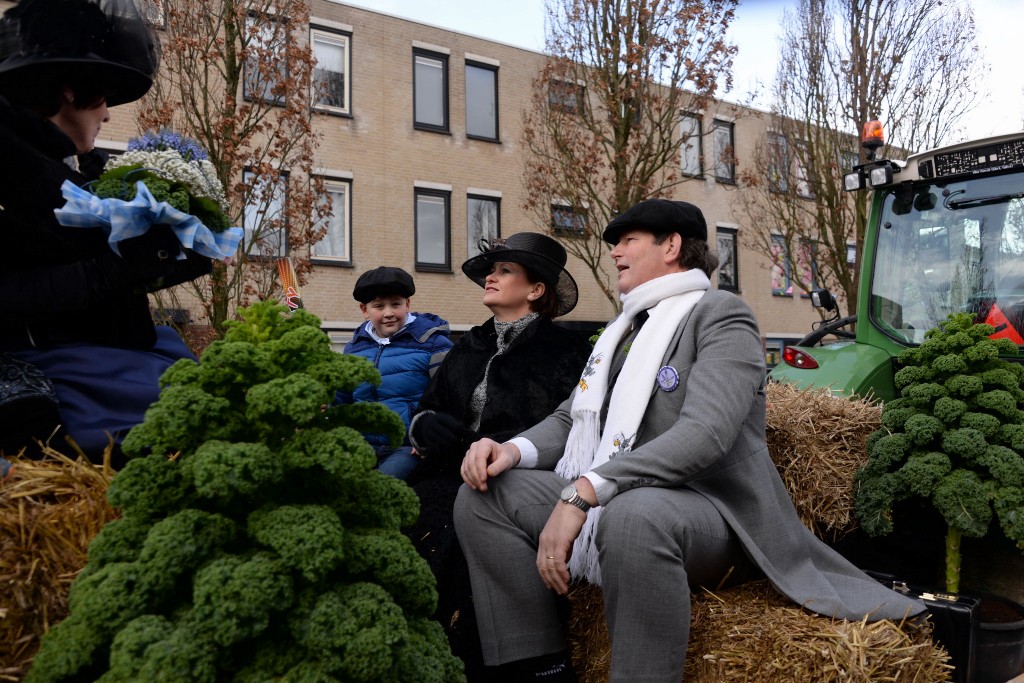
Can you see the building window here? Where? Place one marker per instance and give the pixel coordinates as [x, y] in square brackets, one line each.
[154, 12]
[847, 160]
[566, 96]
[335, 246]
[481, 101]
[483, 221]
[806, 266]
[430, 91]
[266, 67]
[690, 151]
[781, 285]
[728, 265]
[331, 86]
[803, 182]
[851, 255]
[264, 221]
[433, 220]
[725, 165]
[567, 222]
[778, 163]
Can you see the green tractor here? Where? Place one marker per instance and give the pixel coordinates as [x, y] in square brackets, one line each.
[945, 234]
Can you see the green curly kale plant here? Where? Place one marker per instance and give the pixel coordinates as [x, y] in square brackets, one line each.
[955, 437]
[257, 541]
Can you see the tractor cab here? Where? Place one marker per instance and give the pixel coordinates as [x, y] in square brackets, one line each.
[945, 234]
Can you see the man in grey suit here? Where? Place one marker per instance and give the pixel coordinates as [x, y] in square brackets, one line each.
[651, 479]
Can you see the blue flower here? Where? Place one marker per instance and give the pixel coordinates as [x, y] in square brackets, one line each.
[153, 141]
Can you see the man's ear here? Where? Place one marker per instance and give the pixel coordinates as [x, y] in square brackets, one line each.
[362, 307]
[673, 247]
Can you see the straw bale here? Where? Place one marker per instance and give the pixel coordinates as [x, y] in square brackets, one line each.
[817, 441]
[50, 509]
[751, 633]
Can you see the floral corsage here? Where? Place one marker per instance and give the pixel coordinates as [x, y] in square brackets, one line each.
[162, 178]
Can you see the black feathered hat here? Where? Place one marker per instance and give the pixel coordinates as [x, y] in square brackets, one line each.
[544, 256]
[106, 43]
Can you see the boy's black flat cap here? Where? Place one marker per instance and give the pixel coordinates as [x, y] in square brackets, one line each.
[383, 280]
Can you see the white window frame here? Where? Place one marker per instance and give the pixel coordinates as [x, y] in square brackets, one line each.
[343, 41]
[260, 43]
[339, 221]
[269, 208]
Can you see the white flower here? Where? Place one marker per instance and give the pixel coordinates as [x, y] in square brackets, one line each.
[199, 176]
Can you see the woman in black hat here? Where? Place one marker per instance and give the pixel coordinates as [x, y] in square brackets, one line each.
[499, 378]
[75, 324]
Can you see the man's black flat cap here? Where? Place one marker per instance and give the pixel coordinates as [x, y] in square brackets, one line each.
[660, 216]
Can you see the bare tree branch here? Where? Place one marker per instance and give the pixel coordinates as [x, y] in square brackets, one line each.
[843, 63]
[602, 126]
[236, 76]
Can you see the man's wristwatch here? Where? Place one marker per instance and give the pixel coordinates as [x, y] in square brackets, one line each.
[571, 496]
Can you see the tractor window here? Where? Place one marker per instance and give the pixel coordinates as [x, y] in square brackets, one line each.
[948, 248]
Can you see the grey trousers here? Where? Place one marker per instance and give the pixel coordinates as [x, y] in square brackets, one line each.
[653, 545]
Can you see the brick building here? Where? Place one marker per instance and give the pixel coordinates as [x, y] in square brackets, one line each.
[421, 150]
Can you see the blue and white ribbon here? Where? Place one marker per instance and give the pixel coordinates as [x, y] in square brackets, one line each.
[126, 219]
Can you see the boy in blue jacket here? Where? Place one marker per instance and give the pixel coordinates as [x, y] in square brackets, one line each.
[405, 347]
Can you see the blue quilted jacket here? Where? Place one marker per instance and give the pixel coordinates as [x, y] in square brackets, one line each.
[406, 364]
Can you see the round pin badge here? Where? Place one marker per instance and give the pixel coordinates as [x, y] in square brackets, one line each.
[668, 378]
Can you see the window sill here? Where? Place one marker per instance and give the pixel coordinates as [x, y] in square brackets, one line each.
[331, 263]
[431, 268]
[431, 129]
[328, 111]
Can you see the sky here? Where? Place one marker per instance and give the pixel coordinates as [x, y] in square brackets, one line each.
[755, 32]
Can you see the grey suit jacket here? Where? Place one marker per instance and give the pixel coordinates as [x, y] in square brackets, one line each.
[709, 435]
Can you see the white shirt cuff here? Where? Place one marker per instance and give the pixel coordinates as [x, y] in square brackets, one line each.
[604, 488]
[527, 453]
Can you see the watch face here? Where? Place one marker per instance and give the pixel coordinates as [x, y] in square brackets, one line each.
[567, 492]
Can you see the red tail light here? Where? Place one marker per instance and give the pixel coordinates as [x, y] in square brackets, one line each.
[798, 359]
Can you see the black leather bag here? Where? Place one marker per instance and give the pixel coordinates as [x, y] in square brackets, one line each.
[955, 621]
[28, 406]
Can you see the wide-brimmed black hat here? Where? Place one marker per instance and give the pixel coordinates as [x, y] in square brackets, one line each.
[661, 217]
[382, 281]
[106, 43]
[544, 256]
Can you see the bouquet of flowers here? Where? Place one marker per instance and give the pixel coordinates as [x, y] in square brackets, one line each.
[162, 178]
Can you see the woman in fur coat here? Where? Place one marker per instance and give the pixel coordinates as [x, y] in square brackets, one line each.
[499, 379]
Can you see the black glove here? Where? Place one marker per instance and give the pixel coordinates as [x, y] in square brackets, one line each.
[151, 259]
[441, 435]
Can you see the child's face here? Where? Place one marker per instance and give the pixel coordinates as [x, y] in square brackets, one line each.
[386, 313]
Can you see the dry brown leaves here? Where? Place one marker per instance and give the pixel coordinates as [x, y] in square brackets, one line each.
[751, 633]
[50, 509]
[817, 442]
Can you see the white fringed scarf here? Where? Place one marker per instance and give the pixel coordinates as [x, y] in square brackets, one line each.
[668, 298]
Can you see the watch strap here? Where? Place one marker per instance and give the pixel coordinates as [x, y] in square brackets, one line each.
[577, 501]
